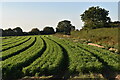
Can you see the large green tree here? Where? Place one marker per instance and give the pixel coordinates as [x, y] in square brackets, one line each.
[64, 27]
[95, 17]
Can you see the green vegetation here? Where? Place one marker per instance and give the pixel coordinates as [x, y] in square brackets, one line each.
[12, 66]
[79, 60]
[8, 40]
[64, 27]
[14, 43]
[107, 37]
[34, 31]
[48, 63]
[65, 55]
[49, 55]
[95, 17]
[48, 30]
[17, 49]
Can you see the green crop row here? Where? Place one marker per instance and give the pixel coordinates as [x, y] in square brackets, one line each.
[49, 55]
[48, 63]
[79, 59]
[10, 41]
[12, 66]
[112, 59]
[16, 43]
[13, 51]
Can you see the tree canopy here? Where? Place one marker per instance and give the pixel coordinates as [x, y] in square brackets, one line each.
[95, 17]
[18, 31]
[48, 30]
[34, 31]
[64, 27]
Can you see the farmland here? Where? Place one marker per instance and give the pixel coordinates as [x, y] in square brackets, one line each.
[49, 55]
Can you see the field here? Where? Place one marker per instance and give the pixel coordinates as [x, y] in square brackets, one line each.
[107, 37]
[47, 55]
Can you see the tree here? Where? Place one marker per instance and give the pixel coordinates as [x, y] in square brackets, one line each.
[95, 17]
[115, 24]
[9, 32]
[34, 31]
[48, 30]
[72, 28]
[64, 27]
[1, 31]
[18, 31]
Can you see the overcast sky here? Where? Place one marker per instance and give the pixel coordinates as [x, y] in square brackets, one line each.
[28, 15]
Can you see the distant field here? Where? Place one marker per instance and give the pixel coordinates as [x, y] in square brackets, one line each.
[107, 37]
[104, 36]
[48, 55]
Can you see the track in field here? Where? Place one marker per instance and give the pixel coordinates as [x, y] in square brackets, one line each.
[16, 61]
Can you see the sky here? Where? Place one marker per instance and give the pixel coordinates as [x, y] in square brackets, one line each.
[28, 15]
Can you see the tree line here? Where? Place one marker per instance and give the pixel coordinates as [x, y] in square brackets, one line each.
[93, 18]
[64, 27]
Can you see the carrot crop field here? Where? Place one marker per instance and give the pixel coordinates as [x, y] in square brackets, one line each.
[49, 55]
